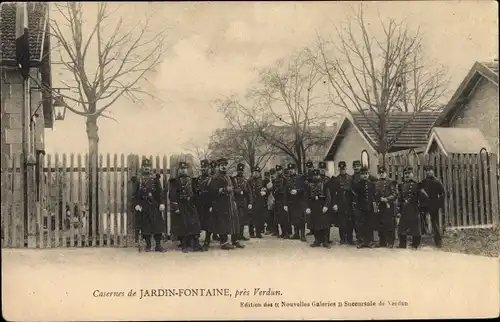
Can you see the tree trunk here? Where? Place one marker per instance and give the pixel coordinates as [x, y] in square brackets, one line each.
[382, 149]
[93, 180]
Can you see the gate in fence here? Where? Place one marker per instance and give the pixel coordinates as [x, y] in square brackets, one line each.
[75, 202]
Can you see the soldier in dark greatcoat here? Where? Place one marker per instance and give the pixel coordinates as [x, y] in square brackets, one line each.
[243, 196]
[385, 198]
[269, 214]
[410, 194]
[213, 171]
[203, 201]
[149, 205]
[364, 192]
[224, 208]
[260, 195]
[296, 205]
[279, 191]
[272, 225]
[318, 203]
[342, 203]
[435, 190]
[308, 178]
[185, 219]
[322, 167]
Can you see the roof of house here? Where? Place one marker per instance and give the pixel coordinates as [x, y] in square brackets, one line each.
[458, 140]
[478, 71]
[37, 24]
[408, 129]
[39, 42]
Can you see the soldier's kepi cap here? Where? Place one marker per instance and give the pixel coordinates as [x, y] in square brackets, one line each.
[213, 164]
[266, 174]
[309, 164]
[291, 166]
[364, 169]
[342, 165]
[204, 163]
[240, 167]
[256, 169]
[381, 169]
[278, 167]
[428, 167]
[146, 163]
[183, 165]
[222, 161]
[356, 163]
[408, 169]
[272, 171]
[322, 165]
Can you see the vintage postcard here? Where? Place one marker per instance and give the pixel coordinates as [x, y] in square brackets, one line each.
[249, 160]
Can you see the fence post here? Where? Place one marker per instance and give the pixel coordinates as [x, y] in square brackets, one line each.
[132, 164]
[493, 169]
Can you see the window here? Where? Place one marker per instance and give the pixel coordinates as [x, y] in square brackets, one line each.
[365, 159]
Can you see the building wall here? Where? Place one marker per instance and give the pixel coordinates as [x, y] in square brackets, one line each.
[350, 149]
[482, 112]
[11, 114]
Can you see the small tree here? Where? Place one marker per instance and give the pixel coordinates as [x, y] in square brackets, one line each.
[199, 152]
[241, 140]
[376, 76]
[294, 108]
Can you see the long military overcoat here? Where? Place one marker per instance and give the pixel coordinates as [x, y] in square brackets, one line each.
[318, 196]
[224, 209]
[184, 217]
[148, 195]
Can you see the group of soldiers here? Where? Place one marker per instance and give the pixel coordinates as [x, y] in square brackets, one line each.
[282, 203]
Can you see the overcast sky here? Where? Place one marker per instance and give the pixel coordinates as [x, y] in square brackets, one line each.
[217, 48]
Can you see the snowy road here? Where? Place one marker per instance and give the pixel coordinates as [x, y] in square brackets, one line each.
[59, 284]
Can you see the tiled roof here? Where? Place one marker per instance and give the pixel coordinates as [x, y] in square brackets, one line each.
[493, 65]
[460, 140]
[411, 130]
[36, 24]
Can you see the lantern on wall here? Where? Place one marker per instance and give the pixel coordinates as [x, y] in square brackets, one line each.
[59, 108]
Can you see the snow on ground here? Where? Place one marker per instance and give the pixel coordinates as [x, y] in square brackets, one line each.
[58, 284]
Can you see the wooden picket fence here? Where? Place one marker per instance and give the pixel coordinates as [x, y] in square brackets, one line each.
[64, 211]
[471, 182]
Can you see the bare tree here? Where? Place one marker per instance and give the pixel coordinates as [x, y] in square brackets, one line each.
[199, 152]
[241, 140]
[378, 76]
[110, 62]
[290, 99]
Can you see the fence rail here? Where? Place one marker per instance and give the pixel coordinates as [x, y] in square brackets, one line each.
[471, 182]
[72, 200]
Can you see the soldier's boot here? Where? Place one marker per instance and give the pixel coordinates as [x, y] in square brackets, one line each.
[296, 235]
[302, 233]
[196, 244]
[179, 239]
[236, 242]
[402, 241]
[275, 230]
[285, 233]
[251, 231]
[382, 236]
[438, 241]
[208, 237]
[258, 232]
[390, 239]
[206, 245]
[317, 239]
[147, 239]
[158, 246]
[326, 235]
[242, 235]
[185, 244]
[216, 237]
[415, 241]
[224, 243]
